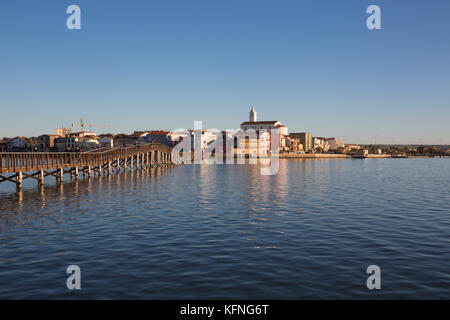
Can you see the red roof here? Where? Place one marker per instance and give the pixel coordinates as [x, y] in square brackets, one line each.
[258, 122]
[157, 132]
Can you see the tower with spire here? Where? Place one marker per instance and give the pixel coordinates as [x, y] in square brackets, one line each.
[252, 117]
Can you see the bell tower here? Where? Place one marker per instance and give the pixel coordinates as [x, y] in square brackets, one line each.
[252, 117]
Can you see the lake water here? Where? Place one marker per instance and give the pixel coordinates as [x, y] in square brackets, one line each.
[225, 231]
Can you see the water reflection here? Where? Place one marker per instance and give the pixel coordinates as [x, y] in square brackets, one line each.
[228, 232]
[36, 200]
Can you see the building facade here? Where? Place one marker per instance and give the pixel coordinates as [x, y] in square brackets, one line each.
[305, 139]
[124, 140]
[261, 127]
[46, 142]
[159, 136]
[335, 144]
[19, 144]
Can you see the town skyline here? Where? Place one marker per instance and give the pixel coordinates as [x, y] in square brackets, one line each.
[162, 66]
[116, 130]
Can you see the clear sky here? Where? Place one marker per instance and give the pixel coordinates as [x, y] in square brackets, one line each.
[312, 64]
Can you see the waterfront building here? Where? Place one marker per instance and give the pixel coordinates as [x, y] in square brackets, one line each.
[60, 143]
[87, 143]
[18, 144]
[82, 134]
[106, 141]
[320, 144]
[177, 137]
[139, 134]
[3, 145]
[83, 140]
[293, 145]
[158, 136]
[72, 143]
[206, 139]
[63, 132]
[46, 142]
[305, 139]
[352, 147]
[265, 126]
[335, 144]
[124, 140]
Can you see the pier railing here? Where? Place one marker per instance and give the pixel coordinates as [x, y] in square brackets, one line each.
[13, 162]
[37, 165]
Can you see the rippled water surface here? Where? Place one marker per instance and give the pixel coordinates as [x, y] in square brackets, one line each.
[227, 232]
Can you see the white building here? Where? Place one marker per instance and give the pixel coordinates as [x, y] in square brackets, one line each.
[335, 143]
[321, 143]
[266, 126]
[206, 138]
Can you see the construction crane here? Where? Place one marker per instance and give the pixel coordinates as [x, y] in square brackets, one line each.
[83, 125]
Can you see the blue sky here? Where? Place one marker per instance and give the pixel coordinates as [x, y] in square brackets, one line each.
[313, 65]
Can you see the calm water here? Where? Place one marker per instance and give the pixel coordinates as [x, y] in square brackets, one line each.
[228, 232]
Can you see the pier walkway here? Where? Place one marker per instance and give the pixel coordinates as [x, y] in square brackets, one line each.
[18, 166]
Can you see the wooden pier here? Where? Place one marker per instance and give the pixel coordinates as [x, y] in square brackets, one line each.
[18, 166]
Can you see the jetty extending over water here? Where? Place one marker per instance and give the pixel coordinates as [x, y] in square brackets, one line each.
[18, 166]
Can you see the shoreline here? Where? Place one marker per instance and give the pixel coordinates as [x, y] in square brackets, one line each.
[314, 156]
[345, 156]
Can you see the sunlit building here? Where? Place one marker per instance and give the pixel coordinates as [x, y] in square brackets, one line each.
[265, 127]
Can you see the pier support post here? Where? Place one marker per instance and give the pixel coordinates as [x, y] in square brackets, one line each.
[41, 178]
[19, 179]
[76, 173]
[59, 175]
